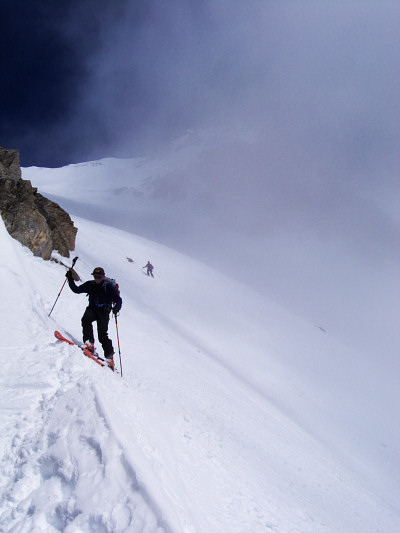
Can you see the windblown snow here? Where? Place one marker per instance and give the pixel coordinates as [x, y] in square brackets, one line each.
[232, 414]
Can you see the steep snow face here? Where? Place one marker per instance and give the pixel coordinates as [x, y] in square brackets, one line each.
[232, 415]
[316, 241]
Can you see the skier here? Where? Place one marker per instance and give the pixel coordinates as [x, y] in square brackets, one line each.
[149, 267]
[101, 295]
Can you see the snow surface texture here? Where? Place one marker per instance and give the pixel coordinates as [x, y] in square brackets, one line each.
[233, 415]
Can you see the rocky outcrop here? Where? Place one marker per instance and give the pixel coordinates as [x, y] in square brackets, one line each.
[32, 219]
[9, 164]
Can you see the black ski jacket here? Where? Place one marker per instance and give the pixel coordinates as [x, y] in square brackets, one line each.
[100, 294]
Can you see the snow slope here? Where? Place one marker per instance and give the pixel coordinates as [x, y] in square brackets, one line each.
[232, 414]
[320, 241]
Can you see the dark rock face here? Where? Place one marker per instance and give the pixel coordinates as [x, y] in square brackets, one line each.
[9, 164]
[32, 219]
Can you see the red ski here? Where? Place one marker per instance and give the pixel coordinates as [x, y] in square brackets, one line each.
[89, 354]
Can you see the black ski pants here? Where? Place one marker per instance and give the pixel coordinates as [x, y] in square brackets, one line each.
[101, 315]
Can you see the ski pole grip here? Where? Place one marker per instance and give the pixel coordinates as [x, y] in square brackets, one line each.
[74, 260]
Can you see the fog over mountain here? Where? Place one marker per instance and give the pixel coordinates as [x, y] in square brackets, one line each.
[326, 252]
[316, 83]
[259, 138]
[286, 173]
[310, 78]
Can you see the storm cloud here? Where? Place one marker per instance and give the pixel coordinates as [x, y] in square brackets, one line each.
[299, 194]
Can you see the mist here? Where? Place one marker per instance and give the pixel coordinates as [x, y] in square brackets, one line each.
[281, 119]
[311, 80]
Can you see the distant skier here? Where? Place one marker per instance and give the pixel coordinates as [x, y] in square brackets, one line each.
[101, 295]
[149, 267]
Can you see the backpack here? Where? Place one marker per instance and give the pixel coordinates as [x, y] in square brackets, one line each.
[113, 283]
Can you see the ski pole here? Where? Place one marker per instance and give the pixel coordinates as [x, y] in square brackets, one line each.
[75, 259]
[119, 349]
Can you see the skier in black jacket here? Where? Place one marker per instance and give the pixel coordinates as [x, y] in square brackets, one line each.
[101, 295]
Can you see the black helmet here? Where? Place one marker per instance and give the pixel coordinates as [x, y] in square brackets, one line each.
[99, 271]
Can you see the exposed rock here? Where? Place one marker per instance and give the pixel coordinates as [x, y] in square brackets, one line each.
[9, 164]
[32, 219]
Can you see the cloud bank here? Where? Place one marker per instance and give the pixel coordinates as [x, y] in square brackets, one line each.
[301, 191]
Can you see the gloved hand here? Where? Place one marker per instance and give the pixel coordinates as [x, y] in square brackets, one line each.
[116, 310]
[69, 275]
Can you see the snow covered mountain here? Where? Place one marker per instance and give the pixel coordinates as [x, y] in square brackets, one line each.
[321, 242]
[233, 414]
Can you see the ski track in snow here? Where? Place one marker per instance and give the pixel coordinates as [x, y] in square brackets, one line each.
[189, 441]
[76, 467]
[62, 468]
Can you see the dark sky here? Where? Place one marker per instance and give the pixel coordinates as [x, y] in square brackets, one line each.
[85, 79]
[304, 94]
[47, 48]
[92, 78]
